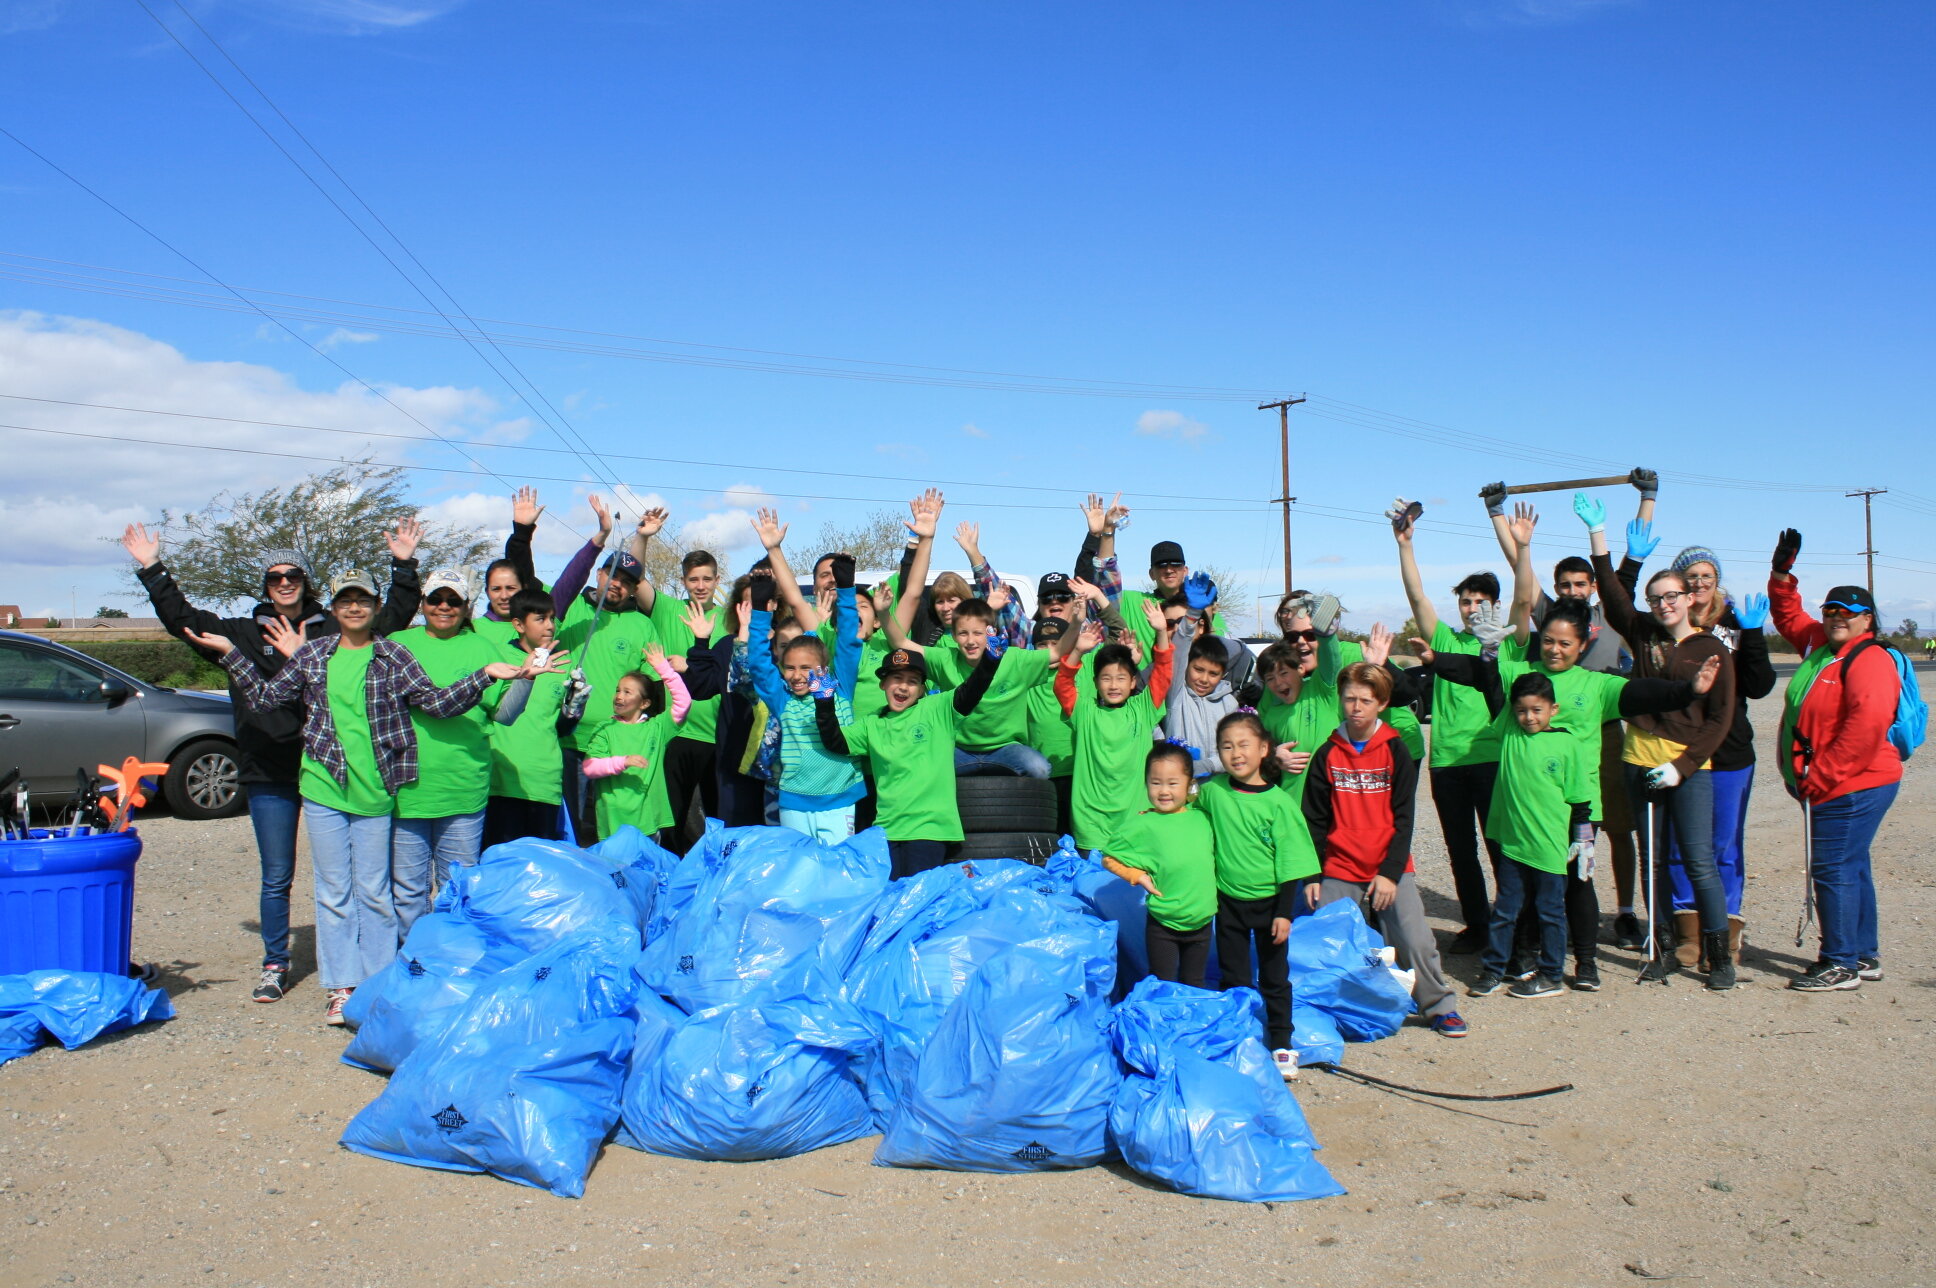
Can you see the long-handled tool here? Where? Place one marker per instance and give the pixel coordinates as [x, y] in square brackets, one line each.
[13, 797]
[1808, 840]
[577, 687]
[1568, 485]
[126, 784]
[1648, 884]
[84, 812]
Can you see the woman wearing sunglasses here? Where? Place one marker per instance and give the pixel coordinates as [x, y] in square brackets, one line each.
[269, 742]
[1667, 756]
[1838, 760]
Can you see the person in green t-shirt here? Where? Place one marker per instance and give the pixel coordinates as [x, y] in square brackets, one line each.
[1465, 750]
[691, 758]
[1264, 859]
[1113, 727]
[607, 634]
[910, 742]
[1170, 851]
[440, 817]
[626, 761]
[990, 739]
[527, 758]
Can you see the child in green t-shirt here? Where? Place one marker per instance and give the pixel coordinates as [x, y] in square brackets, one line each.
[1113, 727]
[1170, 851]
[1264, 858]
[992, 737]
[626, 761]
[527, 757]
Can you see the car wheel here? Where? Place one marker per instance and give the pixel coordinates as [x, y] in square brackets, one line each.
[204, 781]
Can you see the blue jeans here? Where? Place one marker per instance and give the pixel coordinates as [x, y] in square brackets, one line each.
[274, 809]
[1009, 758]
[421, 852]
[356, 924]
[1845, 898]
[1731, 788]
[1519, 884]
[1688, 811]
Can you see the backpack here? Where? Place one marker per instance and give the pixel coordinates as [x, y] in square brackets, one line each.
[1911, 725]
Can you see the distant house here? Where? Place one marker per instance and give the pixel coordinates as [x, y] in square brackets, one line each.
[10, 617]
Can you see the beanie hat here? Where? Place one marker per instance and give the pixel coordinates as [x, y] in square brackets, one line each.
[1696, 554]
[275, 558]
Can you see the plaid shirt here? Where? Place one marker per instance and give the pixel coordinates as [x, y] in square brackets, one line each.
[396, 683]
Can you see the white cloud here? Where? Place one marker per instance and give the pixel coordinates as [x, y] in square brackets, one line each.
[342, 336]
[30, 15]
[747, 496]
[1170, 424]
[351, 16]
[721, 532]
[973, 430]
[1533, 13]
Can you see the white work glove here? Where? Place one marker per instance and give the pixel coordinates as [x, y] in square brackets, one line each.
[1487, 627]
[1581, 851]
[1662, 777]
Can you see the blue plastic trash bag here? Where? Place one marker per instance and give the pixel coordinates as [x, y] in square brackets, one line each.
[1335, 968]
[1314, 1036]
[1115, 901]
[766, 1076]
[931, 932]
[1202, 1108]
[1019, 1077]
[413, 1000]
[525, 1082]
[72, 1007]
[647, 866]
[535, 893]
[748, 905]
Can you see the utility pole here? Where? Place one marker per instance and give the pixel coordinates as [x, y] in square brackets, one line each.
[1868, 494]
[1283, 406]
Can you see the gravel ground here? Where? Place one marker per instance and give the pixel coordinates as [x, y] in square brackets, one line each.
[1756, 1137]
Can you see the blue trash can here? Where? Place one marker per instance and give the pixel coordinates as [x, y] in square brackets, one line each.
[67, 902]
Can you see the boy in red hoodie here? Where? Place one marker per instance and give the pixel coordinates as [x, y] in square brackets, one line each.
[1359, 793]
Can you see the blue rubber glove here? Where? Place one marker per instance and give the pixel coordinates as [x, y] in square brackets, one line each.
[997, 645]
[1199, 592]
[1592, 513]
[1752, 612]
[1640, 540]
[820, 683]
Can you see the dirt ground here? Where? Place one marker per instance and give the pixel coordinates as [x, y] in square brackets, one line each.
[1759, 1137]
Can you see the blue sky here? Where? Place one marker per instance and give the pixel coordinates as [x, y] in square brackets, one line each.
[1691, 237]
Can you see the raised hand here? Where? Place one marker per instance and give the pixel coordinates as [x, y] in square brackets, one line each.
[1095, 512]
[652, 521]
[1647, 481]
[1488, 627]
[698, 621]
[1153, 614]
[968, 537]
[216, 644]
[1752, 612]
[654, 655]
[998, 598]
[403, 542]
[1118, 517]
[1403, 514]
[524, 505]
[1494, 495]
[1787, 546]
[1199, 592]
[284, 638]
[604, 517]
[820, 683]
[926, 510]
[1087, 638]
[769, 529]
[1422, 651]
[760, 592]
[1640, 539]
[1524, 519]
[1088, 590]
[883, 598]
[824, 600]
[1705, 677]
[1378, 645]
[144, 549]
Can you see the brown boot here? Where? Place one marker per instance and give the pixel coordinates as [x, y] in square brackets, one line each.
[1736, 925]
[1687, 940]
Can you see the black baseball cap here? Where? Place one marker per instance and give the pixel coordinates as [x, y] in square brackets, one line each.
[1054, 585]
[902, 659]
[1048, 631]
[1856, 599]
[1164, 553]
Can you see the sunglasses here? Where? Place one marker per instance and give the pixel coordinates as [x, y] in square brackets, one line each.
[1841, 612]
[353, 599]
[1062, 598]
[1291, 636]
[1671, 597]
[276, 578]
[444, 599]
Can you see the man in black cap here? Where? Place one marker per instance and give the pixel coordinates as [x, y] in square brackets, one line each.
[1169, 571]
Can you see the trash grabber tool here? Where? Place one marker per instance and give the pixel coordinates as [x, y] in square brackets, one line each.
[577, 687]
[1808, 840]
[126, 782]
[1648, 860]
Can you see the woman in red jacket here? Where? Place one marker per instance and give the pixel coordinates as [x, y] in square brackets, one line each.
[1837, 760]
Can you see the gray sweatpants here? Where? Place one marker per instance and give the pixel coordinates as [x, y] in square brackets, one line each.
[1404, 927]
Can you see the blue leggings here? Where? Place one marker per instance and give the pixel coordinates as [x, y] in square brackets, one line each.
[1731, 789]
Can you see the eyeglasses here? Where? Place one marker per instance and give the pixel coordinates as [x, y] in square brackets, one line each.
[275, 578]
[444, 599]
[353, 599]
[1701, 579]
[1293, 636]
[1841, 612]
[1669, 597]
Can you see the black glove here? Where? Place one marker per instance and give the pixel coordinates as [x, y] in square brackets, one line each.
[760, 590]
[843, 568]
[1787, 546]
[1494, 495]
[1647, 481]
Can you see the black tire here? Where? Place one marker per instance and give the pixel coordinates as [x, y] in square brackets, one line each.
[1030, 847]
[204, 781]
[1005, 803]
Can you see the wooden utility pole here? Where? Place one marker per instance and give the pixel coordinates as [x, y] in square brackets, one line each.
[1283, 406]
[1868, 530]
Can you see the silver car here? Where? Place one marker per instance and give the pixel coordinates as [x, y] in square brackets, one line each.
[61, 710]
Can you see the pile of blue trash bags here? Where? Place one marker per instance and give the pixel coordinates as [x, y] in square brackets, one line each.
[769, 994]
[72, 1007]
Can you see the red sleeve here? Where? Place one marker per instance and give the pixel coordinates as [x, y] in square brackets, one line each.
[1065, 684]
[1791, 619]
[1159, 676]
[1869, 697]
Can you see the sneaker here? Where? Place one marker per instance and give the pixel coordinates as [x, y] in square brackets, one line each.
[1586, 976]
[1537, 986]
[1626, 932]
[1286, 1064]
[269, 987]
[337, 996]
[1449, 1025]
[1829, 979]
[1520, 968]
[1466, 942]
[1486, 985]
[1869, 969]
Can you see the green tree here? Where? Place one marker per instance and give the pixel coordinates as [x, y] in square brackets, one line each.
[336, 520]
[105, 611]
